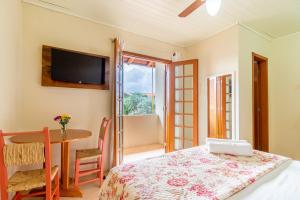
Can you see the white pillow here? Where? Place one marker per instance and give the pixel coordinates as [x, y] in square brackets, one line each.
[224, 140]
[239, 149]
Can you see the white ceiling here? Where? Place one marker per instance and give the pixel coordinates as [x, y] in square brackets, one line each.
[158, 18]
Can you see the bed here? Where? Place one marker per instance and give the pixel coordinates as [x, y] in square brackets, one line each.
[196, 174]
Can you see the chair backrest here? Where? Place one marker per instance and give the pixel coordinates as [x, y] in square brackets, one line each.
[24, 154]
[104, 129]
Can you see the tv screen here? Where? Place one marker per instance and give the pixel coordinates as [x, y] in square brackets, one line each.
[74, 67]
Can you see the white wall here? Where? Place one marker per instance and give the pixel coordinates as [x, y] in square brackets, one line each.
[10, 61]
[249, 42]
[86, 107]
[217, 55]
[284, 96]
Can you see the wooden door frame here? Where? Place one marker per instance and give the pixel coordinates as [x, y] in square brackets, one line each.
[222, 99]
[264, 99]
[149, 58]
[146, 57]
[170, 112]
[208, 107]
[167, 66]
[221, 103]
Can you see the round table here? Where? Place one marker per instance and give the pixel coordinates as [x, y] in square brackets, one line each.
[56, 137]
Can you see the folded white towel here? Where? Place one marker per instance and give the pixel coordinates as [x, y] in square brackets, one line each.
[224, 140]
[239, 149]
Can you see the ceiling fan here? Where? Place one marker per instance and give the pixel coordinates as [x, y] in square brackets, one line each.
[212, 7]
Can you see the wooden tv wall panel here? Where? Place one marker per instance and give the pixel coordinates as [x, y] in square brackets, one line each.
[46, 72]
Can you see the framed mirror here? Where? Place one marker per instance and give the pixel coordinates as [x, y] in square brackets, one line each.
[220, 106]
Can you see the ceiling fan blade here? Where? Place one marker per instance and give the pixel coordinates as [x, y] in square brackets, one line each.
[191, 8]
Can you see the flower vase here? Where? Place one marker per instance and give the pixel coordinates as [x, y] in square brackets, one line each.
[64, 133]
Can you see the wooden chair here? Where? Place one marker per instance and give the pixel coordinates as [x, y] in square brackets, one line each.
[84, 156]
[22, 182]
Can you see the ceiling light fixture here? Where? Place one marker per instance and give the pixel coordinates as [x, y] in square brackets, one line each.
[213, 6]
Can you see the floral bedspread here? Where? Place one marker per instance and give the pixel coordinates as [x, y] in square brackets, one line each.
[187, 174]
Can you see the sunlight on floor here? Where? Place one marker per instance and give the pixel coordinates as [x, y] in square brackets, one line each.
[143, 155]
[133, 154]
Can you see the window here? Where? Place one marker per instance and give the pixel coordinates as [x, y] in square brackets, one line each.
[139, 89]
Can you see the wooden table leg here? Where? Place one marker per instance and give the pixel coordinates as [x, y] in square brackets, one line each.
[65, 161]
[66, 190]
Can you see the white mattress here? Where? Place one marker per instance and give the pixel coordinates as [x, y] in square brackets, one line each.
[281, 184]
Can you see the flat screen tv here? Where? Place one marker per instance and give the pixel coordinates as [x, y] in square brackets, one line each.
[75, 67]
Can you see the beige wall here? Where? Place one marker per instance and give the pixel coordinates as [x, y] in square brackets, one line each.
[86, 107]
[284, 89]
[10, 61]
[231, 50]
[284, 96]
[249, 42]
[141, 130]
[217, 55]
[10, 64]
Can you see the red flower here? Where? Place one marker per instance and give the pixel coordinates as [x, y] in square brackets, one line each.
[251, 180]
[187, 164]
[202, 191]
[245, 172]
[177, 182]
[126, 178]
[57, 118]
[172, 163]
[232, 165]
[198, 187]
[127, 167]
[123, 195]
[204, 160]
